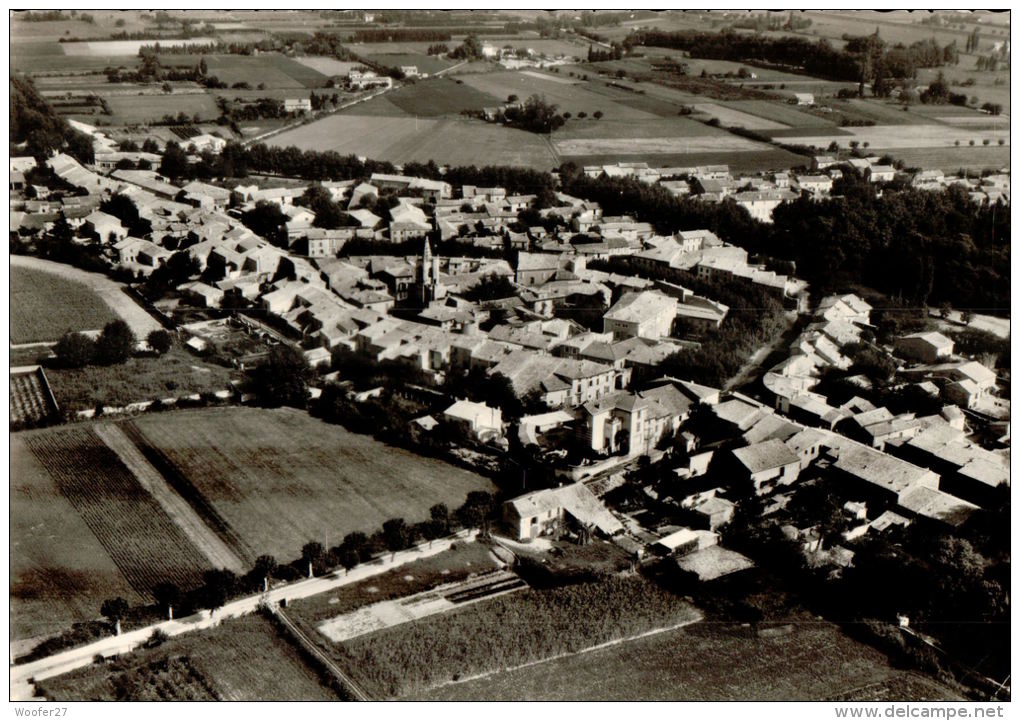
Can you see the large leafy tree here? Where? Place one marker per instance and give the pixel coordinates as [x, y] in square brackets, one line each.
[115, 344]
[282, 378]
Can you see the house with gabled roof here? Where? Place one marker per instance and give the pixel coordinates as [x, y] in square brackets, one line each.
[550, 511]
[928, 347]
[767, 465]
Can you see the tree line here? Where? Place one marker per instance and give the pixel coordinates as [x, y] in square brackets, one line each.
[34, 122]
[863, 59]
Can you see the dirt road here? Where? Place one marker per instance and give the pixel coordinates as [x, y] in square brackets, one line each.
[205, 540]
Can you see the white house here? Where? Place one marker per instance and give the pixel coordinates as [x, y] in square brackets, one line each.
[645, 314]
[483, 421]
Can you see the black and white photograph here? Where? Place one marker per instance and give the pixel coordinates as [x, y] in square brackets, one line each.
[510, 355]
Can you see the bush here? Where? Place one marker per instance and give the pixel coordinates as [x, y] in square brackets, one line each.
[74, 350]
[160, 341]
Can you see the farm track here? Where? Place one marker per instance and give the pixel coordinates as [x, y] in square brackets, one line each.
[141, 539]
[302, 639]
[180, 483]
[182, 514]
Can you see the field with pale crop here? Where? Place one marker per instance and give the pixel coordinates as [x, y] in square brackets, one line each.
[44, 306]
[279, 478]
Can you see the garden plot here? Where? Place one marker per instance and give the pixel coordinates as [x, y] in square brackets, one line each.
[385, 614]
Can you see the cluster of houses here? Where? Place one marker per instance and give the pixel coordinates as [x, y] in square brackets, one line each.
[600, 382]
[761, 194]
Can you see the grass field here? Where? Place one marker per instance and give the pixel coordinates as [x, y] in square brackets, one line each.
[274, 70]
[813, 661]
[430, 64]
[569, 98]
[779, 111]
[128, 109]
[507, 631]
[174, 374]
[401, 139]
[438, 96]
[280, 478]
[59, 573]
[326, 66]
[242, 660]
[136, 532]
[45, 306]
[732, 117]
[952, 159]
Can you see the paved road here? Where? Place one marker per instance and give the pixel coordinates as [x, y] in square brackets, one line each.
[111, 292]
[65, 661]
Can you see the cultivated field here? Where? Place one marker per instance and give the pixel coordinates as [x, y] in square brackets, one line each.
[104, 48]
[658, 146]
[60, 573]
[430, 64]
[130, 109]
[811, 661]
[508, 631]
[953, 159]
[138, 535]
[736, 118]
[44, 306]
[895, 137]
[570, 98]
[401, 139]
[437, 96]
[778, 111]
[110, 292]
[326, 66]
[30, 398]
[271, 69]
[244, 659]
[280, 478]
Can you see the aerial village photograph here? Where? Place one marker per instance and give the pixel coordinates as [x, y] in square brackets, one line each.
[510, 356]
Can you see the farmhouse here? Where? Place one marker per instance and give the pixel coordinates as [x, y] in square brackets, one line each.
[881, 173]
[104, 226]
[926, 347]
[804, 98]
[552, 511]
[477, 418]
[297, 105]
[814, 184]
